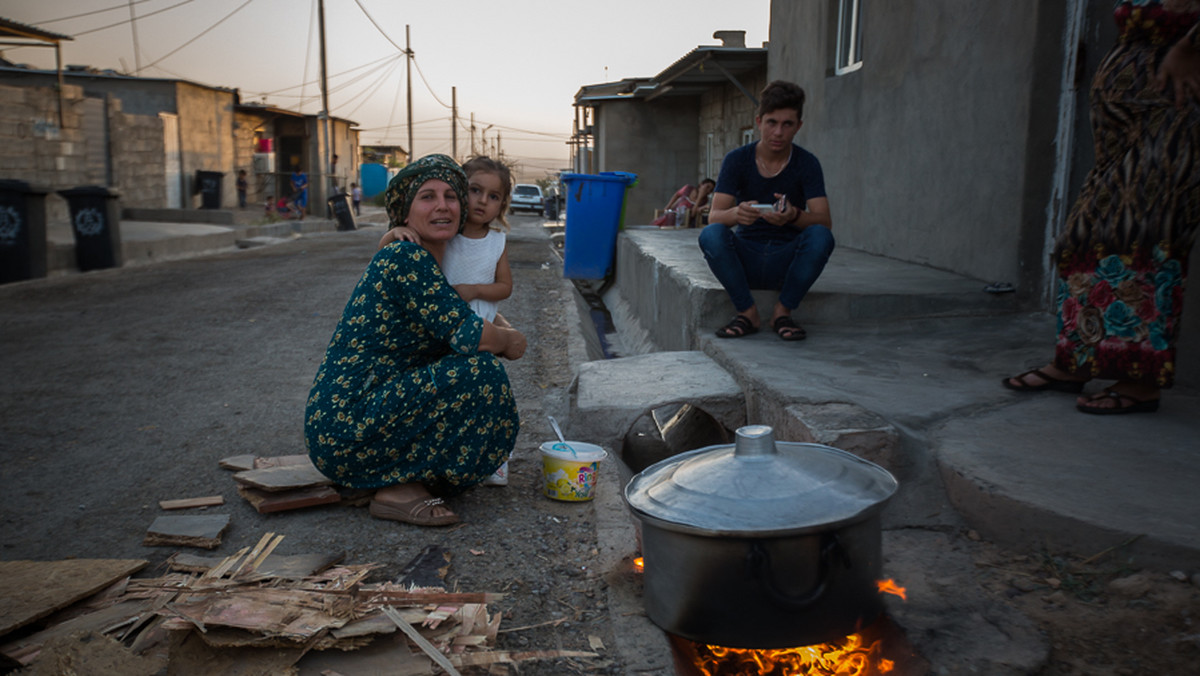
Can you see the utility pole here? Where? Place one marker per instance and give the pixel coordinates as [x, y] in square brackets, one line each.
[454, 123]
[473, 153]
[324, 116]
[137, 52]
[408, 50]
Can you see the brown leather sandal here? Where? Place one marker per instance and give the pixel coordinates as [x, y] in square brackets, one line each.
[418, 512]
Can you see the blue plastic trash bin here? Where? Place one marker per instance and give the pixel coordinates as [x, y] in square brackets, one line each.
[594, 208]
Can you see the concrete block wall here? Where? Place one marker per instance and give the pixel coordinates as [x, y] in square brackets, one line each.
[35, 148]
[725, 113]
[137, 157]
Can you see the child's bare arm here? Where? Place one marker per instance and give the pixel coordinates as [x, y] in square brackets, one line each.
[494, 292]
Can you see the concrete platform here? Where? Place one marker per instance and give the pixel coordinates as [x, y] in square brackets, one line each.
[903, 365]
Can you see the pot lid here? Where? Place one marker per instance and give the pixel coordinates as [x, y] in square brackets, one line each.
[759, 487]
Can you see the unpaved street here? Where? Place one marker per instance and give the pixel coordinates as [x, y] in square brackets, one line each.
[123, 388]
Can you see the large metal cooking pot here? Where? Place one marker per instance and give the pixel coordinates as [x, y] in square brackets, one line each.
[762, 544]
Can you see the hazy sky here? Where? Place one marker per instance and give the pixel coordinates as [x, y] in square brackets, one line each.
[516, 65]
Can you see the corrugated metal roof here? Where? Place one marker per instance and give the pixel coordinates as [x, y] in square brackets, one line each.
[15, 29]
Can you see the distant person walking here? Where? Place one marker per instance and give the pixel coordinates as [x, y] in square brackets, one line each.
[242, 186]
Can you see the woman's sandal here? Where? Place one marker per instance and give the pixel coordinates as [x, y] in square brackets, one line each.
[1052, 383]
[737, 328]
[1120, 406]
[418, 512]
[788, 329]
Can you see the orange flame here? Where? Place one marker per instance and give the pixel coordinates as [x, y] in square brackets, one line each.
[890, 587]
[639, 565]
[851, 657]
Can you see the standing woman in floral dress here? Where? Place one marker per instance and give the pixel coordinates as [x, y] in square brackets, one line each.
[1122, 260]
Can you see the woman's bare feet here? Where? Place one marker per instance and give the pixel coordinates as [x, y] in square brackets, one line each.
[411, 503]
[1048, 377]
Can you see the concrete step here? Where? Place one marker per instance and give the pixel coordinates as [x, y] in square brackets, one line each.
[666, 281]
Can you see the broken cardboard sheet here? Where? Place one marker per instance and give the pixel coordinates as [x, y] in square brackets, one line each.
[236, 613]
[188, 530]
[32, 590]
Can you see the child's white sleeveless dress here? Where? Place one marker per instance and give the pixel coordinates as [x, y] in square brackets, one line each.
[473, 261]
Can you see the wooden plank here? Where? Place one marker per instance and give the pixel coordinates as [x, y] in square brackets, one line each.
[187, 503]
[281, 501]
[288, 477]
[25, 650]
[295, 567]
[389, 656]
[282, 461]
[200, 530]
[429, 649]
[238, 463]
[33, 589]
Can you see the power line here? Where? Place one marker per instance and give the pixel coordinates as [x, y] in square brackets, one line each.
[94, 11]
[379, 28]
[203, 32]
[126, 21]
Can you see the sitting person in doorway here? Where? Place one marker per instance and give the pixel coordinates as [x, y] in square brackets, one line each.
[758, 235]
[694, 199]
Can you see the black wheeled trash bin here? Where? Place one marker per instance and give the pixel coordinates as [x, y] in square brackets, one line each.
[550, 207]
[208, 184]
[22, 231]
[96, 224]
[343, 213]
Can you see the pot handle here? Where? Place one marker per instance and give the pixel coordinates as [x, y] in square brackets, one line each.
[759, 564]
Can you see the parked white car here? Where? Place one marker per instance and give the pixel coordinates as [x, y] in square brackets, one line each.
[526, 196]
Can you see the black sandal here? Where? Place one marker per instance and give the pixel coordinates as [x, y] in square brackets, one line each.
[1123, 404]
[737, 328]
[788, 329]
[1049, 383]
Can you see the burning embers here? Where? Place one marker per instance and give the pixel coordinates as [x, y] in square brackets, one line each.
[850, 657]
[872, 652]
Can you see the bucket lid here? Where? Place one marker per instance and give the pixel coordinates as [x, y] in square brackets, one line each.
[584, 452]
[759, 487]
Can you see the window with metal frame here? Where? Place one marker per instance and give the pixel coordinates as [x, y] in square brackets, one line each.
[849, 37]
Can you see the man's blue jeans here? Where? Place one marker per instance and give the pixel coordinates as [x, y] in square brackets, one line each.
[789, 267]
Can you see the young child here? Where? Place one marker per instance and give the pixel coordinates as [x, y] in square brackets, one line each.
[356, 198]
[476, 261]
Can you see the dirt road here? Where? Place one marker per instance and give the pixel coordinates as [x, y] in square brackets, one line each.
[123, 388]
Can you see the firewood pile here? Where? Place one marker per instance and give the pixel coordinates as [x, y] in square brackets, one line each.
[252, 612]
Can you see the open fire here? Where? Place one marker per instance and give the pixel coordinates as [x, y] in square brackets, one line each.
[872, 652]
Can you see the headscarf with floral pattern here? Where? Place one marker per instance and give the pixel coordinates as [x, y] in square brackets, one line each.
[402, 189]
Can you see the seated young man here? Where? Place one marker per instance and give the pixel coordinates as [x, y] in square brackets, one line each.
[769, 225]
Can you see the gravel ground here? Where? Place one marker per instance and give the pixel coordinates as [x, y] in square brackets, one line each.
[125, 387]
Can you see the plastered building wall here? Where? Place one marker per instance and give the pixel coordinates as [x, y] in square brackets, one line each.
[632, 136]
[206, 138]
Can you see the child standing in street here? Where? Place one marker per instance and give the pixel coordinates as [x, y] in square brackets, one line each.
[476, 260]
[356, 198]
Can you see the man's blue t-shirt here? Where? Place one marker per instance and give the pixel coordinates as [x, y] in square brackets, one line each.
[801, 180]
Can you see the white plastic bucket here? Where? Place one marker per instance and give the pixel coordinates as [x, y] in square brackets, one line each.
[570, 477]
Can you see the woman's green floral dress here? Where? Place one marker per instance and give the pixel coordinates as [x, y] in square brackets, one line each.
[402, 395]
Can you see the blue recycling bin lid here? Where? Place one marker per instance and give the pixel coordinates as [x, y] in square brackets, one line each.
[608, 176]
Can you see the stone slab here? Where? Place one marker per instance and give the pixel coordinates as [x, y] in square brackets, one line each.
[607, 397]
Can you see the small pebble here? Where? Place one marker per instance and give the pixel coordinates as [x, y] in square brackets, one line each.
[1179, 575]
[973, 535]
